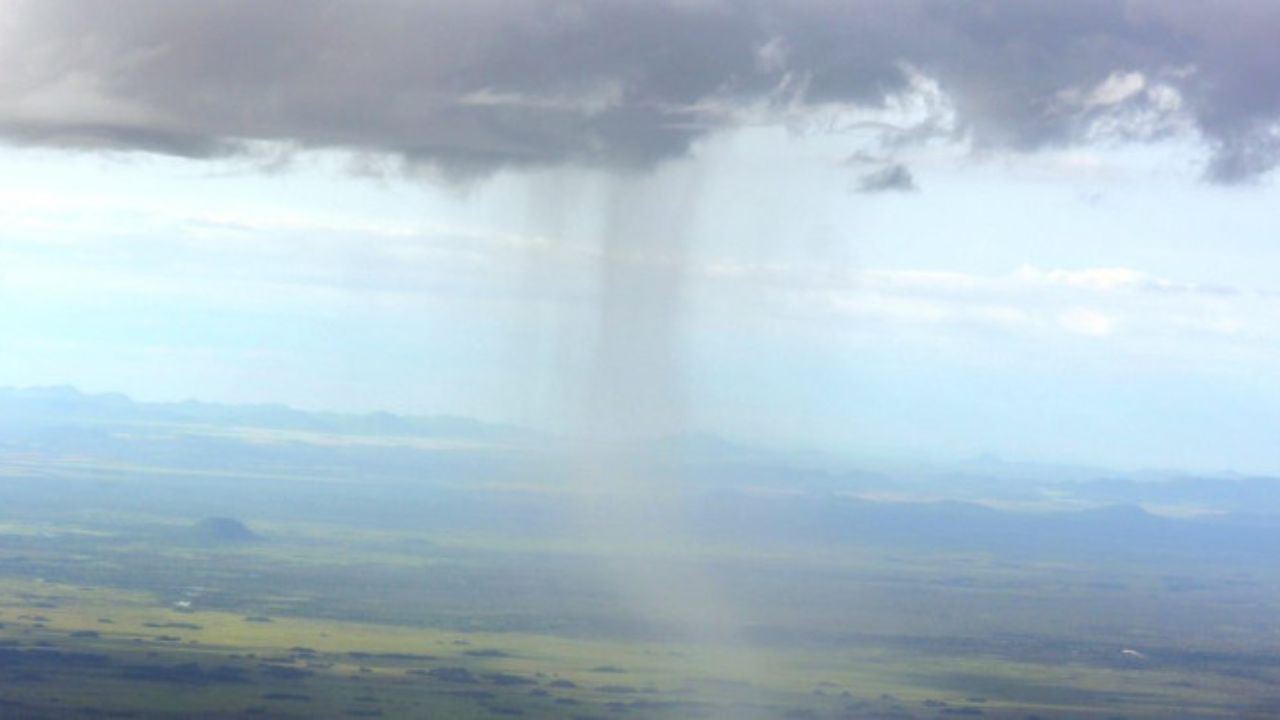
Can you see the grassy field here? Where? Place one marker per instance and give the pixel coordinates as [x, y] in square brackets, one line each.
[109, 651]
[209, 647]
[114, 602]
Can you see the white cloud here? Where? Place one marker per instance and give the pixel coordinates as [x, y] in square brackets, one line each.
[1107, 278]
[886, 307]
[1086, 321]
[923, 280]
[1130, 105]
[1037, 304]
[1117, 88]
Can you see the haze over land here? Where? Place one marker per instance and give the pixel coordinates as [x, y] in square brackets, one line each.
[737, 492]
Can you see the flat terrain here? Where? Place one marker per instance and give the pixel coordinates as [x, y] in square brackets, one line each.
[145, 572]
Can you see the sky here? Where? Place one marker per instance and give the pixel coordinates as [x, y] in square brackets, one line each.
[1039, 230]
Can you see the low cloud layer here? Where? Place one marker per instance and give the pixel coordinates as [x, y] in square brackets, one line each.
[471, 87]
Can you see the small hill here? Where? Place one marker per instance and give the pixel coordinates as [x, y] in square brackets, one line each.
[223, 531]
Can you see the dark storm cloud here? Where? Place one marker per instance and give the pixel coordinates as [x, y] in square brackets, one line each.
[894, 178]
[472, 86]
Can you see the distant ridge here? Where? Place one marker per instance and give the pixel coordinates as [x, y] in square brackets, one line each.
[63, 404]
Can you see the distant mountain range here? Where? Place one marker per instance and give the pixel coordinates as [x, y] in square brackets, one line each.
[227, 461]
[65, 422]
[65, 405]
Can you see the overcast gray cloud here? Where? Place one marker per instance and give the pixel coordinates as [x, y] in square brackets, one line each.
[472, 86]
